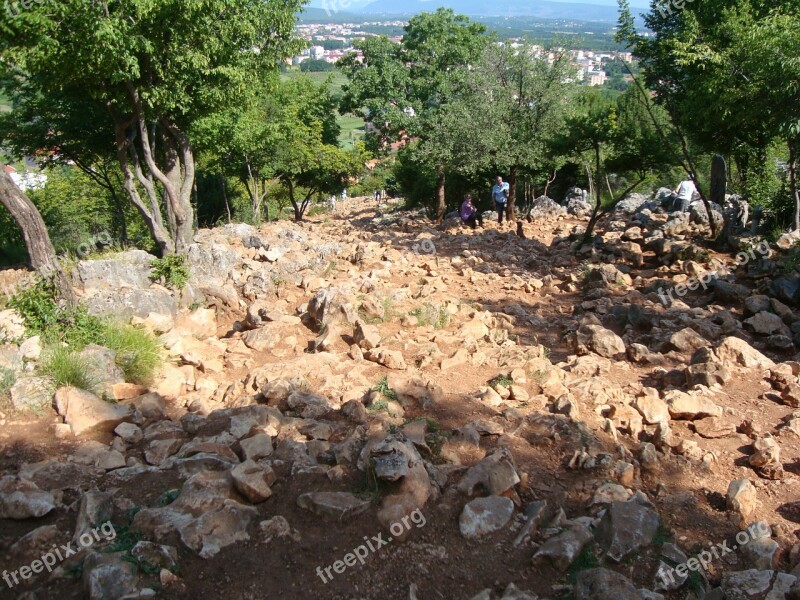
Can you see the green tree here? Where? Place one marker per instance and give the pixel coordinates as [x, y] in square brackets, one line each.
[726, 72]
[147, 71]
[507, 111]
[401, 90]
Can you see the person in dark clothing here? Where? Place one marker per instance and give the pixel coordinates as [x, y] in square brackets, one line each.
[470, 215]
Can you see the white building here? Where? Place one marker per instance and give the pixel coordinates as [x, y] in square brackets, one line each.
[317, 52]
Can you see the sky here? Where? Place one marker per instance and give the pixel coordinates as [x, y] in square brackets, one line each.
[355, 4]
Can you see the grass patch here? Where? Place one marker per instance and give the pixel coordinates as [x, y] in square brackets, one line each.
[7, 379]
[435, 315]
[66, 367]
[66, 331]
[138, 353]
[168, 497]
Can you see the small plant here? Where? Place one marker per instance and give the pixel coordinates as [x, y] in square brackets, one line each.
[37, 305]
[501, 380]
[124, 541]
[383, 387]
[171, 270]
[168, 497]
[66, 367]
[586, 560]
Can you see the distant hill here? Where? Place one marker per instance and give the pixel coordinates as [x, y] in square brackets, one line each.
[586, 10]
[543, 9]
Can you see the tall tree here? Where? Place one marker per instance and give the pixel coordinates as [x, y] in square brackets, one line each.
[152, 69]
[402, 90]
[507, 110]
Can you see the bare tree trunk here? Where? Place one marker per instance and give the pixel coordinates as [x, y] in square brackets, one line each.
[512, 193]
[37, 241]
[441, 202]
[793, 184]
[225, 197]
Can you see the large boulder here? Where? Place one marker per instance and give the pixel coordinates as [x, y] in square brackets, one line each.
[86, 413]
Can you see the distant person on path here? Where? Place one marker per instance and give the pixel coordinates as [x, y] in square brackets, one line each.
[500, 197]
[377, 196]
[686, 191]
[332, 202]
[469, 214]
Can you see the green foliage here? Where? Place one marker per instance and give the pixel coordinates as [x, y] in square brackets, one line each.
[7, 379]
[435, 315]
[168, 497]
[68, 331]
[501, 380]
[38, 307]
[171, 270]
[586, 560]
[714, 66]
[138, 352]
[66, 367]
[150, 71]
[383, 387]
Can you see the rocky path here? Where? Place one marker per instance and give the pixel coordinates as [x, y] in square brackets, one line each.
[364, 406]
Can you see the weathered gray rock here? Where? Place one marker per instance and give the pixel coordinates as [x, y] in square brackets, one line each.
[310, 406]
[366, 336]
[626, 527]
[339, 505]
[31, 393]
[96, 508]
[598, 339]
[742, 497]
[690, 407]
[735, 351]
[108, 576]
[687, 340]
[155, 556]
[747, 584]
[253, 481]
[562, 550]
[22, 499]
[483, 516]
[604, 584]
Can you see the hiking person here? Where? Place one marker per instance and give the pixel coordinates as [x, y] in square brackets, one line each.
[500, 197]
[686, 190]
[470, 215]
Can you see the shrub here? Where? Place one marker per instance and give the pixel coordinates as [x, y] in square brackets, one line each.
[171, 270]
[38, 307]
[66, 367]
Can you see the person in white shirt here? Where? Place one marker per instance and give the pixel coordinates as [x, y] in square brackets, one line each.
[686, 191]
[500, 197]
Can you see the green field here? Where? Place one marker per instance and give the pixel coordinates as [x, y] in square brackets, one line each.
[352, 130]
[352, 126]
[338, 79]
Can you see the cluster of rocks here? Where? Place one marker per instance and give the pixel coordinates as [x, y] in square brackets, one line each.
[274, 379]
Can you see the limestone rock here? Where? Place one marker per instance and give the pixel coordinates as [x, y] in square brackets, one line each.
[483, 516]
[85, 413]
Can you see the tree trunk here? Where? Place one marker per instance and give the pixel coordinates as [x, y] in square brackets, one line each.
[793, 184]
[441, 203]
[37, 241]
[512, 193]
